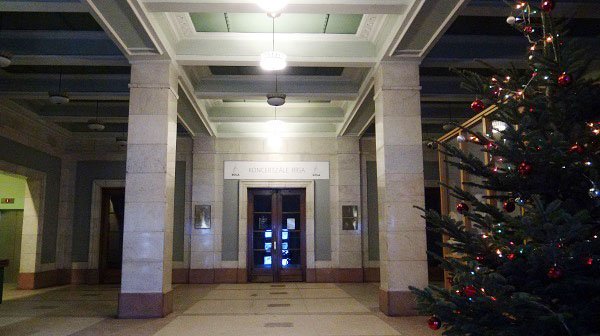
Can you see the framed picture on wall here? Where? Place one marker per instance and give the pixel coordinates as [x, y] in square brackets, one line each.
[202, 217]
[349, 217]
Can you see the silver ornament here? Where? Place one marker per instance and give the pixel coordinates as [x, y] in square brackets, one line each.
[461, 138]
[511, 20]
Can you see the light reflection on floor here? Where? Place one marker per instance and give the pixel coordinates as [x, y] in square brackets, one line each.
[245, 309]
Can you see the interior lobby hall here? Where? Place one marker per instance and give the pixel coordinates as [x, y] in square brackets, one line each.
[236, 167]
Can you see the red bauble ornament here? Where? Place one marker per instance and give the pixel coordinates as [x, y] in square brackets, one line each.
[511, 256]
[547, 5]
[564, 79]
[576, 148]
[528, 29]
[434, 323]
[554, 273]
[524, 169]
[470, 291]
[509, 206]
[462, 207]
[589, 261]
[477, 106]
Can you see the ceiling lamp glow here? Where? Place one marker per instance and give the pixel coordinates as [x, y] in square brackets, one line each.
[272, 7]
[275, 126]
[273, 61]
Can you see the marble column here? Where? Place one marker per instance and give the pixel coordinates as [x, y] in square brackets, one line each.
[149, 192]
[400, 182]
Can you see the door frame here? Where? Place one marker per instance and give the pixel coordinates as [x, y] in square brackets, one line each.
[93, 261]
[244, 185]
[276, 215]
[104, 230]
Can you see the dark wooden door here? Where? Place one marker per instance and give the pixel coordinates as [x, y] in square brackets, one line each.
[276, 235]
[111, 235]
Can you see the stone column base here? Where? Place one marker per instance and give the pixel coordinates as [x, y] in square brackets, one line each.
[145, 305]
[400, 303]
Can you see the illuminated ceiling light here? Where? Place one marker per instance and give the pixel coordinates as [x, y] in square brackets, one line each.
[274, 130]
[272, 7]
[275, 125]
[273, 61]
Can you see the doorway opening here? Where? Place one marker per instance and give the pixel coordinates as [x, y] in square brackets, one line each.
[276, 235]
[111, 235]
[12, 204]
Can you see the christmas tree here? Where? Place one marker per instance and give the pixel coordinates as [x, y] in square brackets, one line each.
[528, 262]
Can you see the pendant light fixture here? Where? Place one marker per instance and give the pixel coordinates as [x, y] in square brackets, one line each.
[95, 124]
[277, 98]
[59, 97]
[275, 63]
[273, 60]
[275, 128]
[272, 7]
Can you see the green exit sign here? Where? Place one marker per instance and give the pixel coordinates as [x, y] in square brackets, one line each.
[8, 201]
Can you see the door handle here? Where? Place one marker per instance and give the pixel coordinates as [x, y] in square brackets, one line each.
[274, 246]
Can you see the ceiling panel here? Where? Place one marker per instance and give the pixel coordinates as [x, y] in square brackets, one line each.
[48, 21]
[289, 71]
[287, 23]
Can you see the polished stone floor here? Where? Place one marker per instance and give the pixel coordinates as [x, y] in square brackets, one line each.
[203, 310]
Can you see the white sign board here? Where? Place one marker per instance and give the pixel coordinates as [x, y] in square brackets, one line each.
[249, 170]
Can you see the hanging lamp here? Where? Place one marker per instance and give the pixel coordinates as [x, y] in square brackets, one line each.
[95, 124]
[272, 7]
[59, 97]
[273, 60]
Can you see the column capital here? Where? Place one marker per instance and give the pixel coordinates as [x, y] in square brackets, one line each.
[155, 74]
[398, 75]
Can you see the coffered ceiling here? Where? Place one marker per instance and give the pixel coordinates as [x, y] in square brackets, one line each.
[332, 48]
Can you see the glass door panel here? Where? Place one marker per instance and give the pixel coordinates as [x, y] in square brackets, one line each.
[276, 235]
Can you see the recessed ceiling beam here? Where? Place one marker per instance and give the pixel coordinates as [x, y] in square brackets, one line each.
[575, 10]
[299, 6]
[42, 6]
[300, 53]
[70, 60]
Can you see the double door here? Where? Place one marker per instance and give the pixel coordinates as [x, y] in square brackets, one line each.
[276, 235]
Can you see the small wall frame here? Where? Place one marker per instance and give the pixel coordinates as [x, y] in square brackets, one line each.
[202, 217]
[349, 217]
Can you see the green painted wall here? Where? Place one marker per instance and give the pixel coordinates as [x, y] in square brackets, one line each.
[12, 187]
[322, 220]
[16, 153]
[230, 220]
[87, 172]
[11, 227]
[372, 210]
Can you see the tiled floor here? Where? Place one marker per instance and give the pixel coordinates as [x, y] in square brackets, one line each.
[206, 310]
